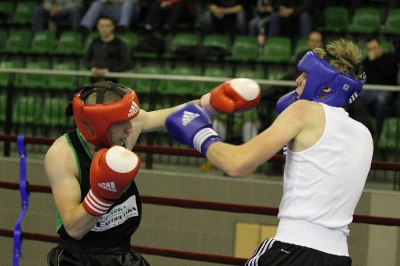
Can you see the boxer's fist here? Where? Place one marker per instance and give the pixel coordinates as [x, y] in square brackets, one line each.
[111, 171]
[192, 125]
[233, 96]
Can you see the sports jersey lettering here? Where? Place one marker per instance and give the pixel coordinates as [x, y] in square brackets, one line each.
[117, 215]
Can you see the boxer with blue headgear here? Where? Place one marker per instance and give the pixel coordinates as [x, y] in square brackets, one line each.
[343, 88]
[328, 158]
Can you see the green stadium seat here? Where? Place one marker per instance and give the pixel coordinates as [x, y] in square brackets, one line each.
[219, 40]
[178, 89]
[8, 10]
[127, 82]
[23, 13]
[70, 43]
[389, 139]
[18, 41]
[144, 86]
[207, 86]
[3, 107]
[43, 42]
[392, 22]
[276, 74]
[30, 80]
[129, 38]
[366, 20]
[62, 82]
[244, 48]
[251, 74]
[277, 50]
[183, 39]
[301, 46]
[53, 112]
[336, 20]
[216, 41]
[4, 77]
[3, 36]
[26, 110]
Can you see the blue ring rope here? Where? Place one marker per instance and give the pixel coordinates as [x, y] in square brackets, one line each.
[24, 200]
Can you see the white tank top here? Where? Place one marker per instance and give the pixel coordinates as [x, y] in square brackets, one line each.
[323, 184]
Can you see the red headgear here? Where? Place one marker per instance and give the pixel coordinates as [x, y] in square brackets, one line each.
[94, 120]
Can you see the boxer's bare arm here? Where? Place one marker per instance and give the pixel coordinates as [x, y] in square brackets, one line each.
[62, 173]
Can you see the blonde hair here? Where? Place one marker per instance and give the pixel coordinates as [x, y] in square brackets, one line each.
[343, 55]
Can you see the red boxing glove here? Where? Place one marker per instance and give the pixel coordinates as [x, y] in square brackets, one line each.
[233, 96]
[111, 171]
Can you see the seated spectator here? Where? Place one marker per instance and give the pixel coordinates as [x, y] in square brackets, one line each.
[224, 14]
[107, 53]
[314, 41]
[56, 11]
[121, 11]
[259, 23]
[381, 69]
[306, 14]
[170, 12]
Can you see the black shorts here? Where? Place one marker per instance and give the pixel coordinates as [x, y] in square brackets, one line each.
[275, 253]
[116, 256]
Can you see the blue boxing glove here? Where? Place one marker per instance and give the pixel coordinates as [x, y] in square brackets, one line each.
[192, 125]
[285, 101]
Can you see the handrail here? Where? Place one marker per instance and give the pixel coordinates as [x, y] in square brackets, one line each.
[171, 77]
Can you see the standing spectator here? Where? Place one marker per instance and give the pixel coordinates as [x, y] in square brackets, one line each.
[56, 11]
[381, 68]
[171, 13]
[106, 53]
[305, 14]
[222, 14]
[121, 11]
[259, 23]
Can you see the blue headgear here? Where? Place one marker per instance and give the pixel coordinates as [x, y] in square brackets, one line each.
[321, 75]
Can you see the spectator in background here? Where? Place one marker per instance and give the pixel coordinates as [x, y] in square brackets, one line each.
[314, 41]
[381, 69]
[259, 23]
[56, 11]
[121, 11]
[305, 13]
[171, 13]
[106, 53]
[223, 14]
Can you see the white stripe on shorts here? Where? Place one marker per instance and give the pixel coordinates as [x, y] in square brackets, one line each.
[265, 245]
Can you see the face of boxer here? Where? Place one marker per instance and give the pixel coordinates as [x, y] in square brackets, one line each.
[120, 131]
[301, 82]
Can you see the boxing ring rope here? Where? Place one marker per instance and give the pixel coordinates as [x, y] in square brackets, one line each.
[182, 203]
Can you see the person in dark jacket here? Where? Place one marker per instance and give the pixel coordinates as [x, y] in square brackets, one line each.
[107, 53]
[307, 14]
[169, 13]
[381, 69]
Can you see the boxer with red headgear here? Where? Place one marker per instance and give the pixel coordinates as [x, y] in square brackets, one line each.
[327, 160]
[92, 169]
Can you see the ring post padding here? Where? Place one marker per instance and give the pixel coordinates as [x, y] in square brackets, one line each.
[24, 200]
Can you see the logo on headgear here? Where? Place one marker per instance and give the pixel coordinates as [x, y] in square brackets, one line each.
[134, 109]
